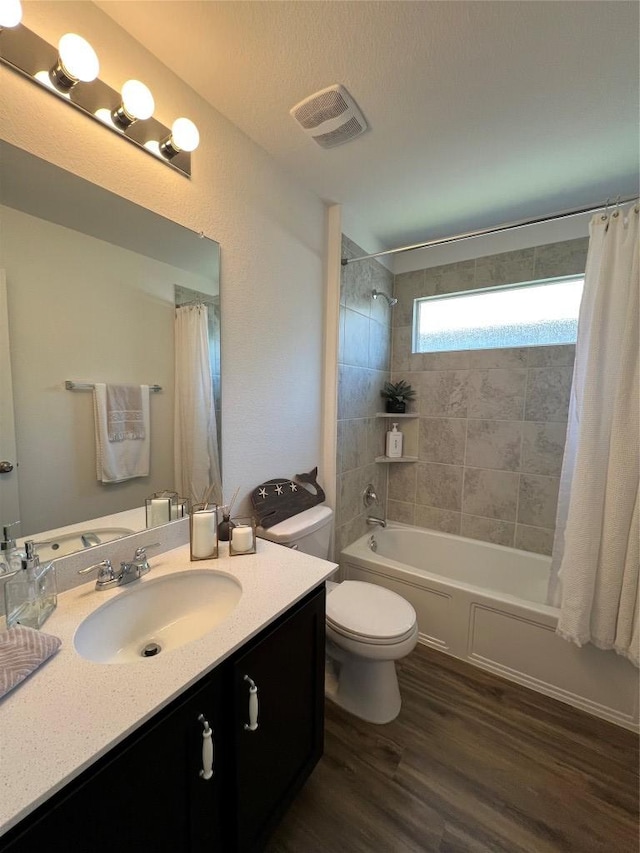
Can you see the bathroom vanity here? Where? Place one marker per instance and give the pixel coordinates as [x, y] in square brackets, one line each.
[160, 787]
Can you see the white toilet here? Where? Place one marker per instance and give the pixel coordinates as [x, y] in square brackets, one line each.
[368, 627]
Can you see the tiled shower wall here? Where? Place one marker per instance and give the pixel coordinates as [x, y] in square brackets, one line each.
[363, 367]
[492, 423]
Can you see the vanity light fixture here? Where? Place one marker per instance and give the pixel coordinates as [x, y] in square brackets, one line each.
[71, 73]
[137, 104]
[77, 62]
[10, 13]
[184, 137]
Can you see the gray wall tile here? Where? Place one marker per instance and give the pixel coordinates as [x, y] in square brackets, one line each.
[491, 494]
[538, 500]
[496, 394]
[352, 443]
[437, 519]
[356, 339]
[443, 393]
[488, 529]
[402, 481]
[442, 440]
[505, 268]
[548, 393]
[516, 403]
[543, 447]
[379, 346]
[439, 485]
[557, 259]
[536, 539]
[494, 444]
[402, 512]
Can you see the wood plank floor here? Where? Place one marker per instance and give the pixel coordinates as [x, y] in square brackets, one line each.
[473, 764]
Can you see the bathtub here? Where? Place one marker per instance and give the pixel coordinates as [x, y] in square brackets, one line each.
[485, 604]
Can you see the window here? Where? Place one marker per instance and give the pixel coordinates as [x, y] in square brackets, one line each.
[535, 313]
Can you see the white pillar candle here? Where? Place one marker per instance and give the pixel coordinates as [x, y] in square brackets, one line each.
[159, 511]
[203, 534]
[242, 538]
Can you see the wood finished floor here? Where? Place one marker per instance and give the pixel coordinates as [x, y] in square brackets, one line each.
[473, 764]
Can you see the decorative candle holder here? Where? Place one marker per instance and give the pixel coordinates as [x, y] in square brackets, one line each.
[161, 508]
[182, 508]
[203, 532]
[242, 537]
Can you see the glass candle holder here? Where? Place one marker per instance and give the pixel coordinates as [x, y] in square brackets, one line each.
[203, 532]
[161, 508]
[242, 537]
[182, 508]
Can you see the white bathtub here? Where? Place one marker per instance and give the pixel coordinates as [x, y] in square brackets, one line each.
[484, 603]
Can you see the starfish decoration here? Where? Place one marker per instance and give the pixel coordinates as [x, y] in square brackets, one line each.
[278, 490]
[293, 487]
[263, 493]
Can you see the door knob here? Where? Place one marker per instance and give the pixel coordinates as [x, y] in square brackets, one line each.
[6, 467]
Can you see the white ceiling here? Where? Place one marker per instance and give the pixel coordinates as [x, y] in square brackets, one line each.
[479, 112]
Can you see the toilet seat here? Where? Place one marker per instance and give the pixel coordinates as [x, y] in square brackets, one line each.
[370, 614]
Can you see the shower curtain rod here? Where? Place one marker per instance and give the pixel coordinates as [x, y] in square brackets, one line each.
[497, 229]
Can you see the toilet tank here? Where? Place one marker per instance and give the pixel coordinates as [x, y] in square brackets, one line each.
[308, 531]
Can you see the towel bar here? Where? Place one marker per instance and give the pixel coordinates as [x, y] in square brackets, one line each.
[70, 385]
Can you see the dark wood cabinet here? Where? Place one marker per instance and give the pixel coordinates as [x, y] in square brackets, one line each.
[272, 761]
[149, 793]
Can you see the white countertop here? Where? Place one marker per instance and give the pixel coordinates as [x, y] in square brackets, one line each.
[71, 711]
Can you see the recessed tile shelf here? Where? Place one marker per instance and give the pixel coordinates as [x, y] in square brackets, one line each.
[396, 458]
[395, 416]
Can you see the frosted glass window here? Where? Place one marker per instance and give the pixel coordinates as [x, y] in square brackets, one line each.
[524, 315]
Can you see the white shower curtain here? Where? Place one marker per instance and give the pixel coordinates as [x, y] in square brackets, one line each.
[596, 562]
[196, 461]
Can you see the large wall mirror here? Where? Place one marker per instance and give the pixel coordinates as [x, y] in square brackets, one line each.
[91, 283]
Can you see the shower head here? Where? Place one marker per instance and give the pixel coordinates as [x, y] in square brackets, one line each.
[391, 301]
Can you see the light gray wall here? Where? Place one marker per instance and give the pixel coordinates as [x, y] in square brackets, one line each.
[492, 423]
[363, 367]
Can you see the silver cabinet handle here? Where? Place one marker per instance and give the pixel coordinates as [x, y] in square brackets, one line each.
[6, 467]
[207, 750]
[252, 725]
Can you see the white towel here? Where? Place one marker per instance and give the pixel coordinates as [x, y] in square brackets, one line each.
[120, 460]
[124, 412]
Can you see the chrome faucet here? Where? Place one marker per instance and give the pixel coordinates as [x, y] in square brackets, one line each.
[132, 571]
[380, 522]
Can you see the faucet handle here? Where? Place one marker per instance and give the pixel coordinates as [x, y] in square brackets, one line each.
[105, 572]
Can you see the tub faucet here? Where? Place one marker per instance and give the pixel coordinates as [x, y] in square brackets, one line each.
[380, 522]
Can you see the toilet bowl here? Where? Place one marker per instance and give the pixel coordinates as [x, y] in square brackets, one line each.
[368, 627]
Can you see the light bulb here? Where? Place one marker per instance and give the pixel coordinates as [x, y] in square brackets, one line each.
[185, 135]
[10, 13]
[77, 61]
[137, 103]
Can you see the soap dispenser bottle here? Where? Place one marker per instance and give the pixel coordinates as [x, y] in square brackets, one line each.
[11, 556]
[31, 594]
[394, 443]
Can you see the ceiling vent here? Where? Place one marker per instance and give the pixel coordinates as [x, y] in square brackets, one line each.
[330, 117]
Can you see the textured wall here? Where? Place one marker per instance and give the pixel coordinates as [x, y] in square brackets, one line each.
[270, 229]
[363, 367]
[492, 423]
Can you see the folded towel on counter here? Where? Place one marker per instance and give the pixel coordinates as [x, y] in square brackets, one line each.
[120, 460]
[21, 651]
[125, 418]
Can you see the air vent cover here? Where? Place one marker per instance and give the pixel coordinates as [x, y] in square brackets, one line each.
[331, 116]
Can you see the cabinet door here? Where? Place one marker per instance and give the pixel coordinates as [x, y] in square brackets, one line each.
[146, 795]
[286, 663]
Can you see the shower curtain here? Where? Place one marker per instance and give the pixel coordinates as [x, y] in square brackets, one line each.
[196, 460]
[596, 562]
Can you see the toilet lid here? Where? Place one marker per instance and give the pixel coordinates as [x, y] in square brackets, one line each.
[369, 611]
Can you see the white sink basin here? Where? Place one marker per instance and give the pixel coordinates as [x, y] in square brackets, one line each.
[166, 612]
